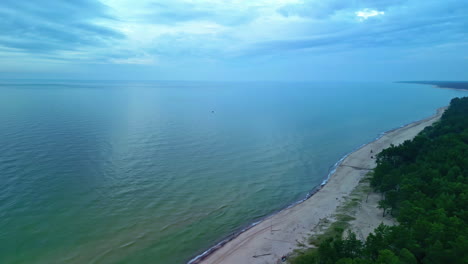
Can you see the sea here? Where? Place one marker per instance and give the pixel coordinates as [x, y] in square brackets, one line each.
[160, 171]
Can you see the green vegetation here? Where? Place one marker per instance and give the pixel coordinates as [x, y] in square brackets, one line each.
[424, 185]
[337, 226]
[335, 229]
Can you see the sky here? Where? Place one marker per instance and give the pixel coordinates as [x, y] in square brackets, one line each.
[287, 40]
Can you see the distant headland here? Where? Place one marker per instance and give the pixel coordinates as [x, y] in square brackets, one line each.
[443, 84]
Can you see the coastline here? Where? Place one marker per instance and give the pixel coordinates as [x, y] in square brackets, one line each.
[279, 234]
[461, 85]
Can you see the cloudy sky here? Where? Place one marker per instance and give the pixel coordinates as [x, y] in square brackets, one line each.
[234, 39]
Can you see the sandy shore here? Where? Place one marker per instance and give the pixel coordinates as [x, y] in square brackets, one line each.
[281, 233]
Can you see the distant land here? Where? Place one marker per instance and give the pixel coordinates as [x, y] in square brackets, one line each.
[443, 84]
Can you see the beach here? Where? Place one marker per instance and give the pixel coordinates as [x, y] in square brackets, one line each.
[280, 234]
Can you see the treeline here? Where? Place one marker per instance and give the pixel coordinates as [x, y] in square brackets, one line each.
[424, 185]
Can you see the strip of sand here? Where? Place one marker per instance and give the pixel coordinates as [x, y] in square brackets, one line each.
[283, 232]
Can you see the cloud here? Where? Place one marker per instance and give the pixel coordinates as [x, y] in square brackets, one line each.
[161, 33]
[45, 27]
[366, 13]
[406, 25]
[147, 60]
[210, 28]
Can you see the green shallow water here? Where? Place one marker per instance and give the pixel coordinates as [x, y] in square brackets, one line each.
[157, 172]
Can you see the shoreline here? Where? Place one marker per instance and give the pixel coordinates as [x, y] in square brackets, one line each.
[251, 243]
[453, 85]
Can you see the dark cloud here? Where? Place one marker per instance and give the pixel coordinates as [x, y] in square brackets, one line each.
[47, 26]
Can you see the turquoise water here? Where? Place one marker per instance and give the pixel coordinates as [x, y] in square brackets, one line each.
[157, 172]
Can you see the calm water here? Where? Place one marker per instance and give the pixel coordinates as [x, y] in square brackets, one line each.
[145, 172]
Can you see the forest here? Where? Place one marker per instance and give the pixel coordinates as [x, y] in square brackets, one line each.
[424, 185]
